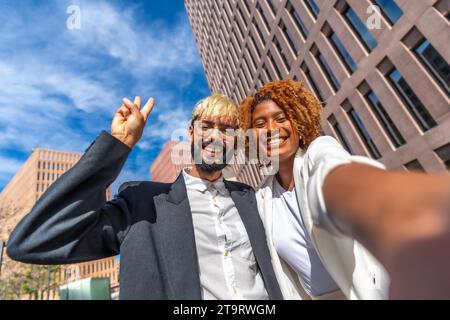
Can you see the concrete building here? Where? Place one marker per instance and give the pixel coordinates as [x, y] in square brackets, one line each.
[174, 157]
[35, 176]
[381, 72]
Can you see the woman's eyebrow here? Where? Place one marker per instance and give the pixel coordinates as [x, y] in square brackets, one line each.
[278, 113]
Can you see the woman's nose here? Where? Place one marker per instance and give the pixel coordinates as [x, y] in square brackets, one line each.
[272, 128]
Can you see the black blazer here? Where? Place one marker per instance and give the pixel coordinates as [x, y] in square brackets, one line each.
[148, 223]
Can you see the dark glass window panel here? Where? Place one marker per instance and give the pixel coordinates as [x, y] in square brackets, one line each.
[342, 137]
[298, 21]
[328, 72]
[412, 102]
[343, 53]
[385, 120]
[390, 9]
[313, 7]
[364, 134]
[435, 63]
[360, 28]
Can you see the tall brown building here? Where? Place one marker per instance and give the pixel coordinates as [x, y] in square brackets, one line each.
[167, 166]
[39, 171]
[383, 75]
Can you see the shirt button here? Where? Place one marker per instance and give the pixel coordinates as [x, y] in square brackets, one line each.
[226, 253]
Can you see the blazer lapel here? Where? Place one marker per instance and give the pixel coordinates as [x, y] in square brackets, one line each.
[245, 202]
[176, 241]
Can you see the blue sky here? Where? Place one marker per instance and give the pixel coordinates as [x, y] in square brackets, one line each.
[59, 88]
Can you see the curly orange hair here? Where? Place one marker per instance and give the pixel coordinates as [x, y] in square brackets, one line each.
[302, 108]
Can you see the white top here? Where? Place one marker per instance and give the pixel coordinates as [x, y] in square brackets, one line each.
[294, 245]
[357, 273]
[228, 268]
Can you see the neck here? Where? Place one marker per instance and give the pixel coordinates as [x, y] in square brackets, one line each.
[210, 176]
[285, 174]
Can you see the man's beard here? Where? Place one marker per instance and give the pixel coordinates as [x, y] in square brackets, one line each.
[208, 167]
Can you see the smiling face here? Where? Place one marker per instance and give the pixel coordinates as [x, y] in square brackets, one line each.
[282, 139]
[212, 142]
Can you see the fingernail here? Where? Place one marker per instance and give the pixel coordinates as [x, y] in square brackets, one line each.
[127, 100]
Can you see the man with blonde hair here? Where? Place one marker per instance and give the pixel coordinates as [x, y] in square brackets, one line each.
[197, 238]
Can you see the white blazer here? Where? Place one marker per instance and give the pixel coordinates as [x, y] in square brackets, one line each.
[357, 273]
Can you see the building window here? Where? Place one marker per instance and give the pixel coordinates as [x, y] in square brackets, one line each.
[414, 166]
[266, 72]
[360, 28]
[294, 45]
[313, 85]
[313, 7]
[363, 133]
[263, 17]
[435, 64]
[275, 66]
[384, 119]
[240, 31]
[252, 58]
[326, 68]
[261, 36]
[297, 20]
[339, 133]
[444, 153]
[281, 53]
[272, 7]
[390, 10]
[443, 7]
[256, 47]
[339, 47]
[412, 102]
[247, 7]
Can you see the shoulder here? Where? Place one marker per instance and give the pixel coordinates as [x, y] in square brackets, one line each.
[325, 147]
[239, 185]
[147, 187]
[323, 141]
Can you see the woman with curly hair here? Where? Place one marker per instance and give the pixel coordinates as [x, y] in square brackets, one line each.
[324, 208]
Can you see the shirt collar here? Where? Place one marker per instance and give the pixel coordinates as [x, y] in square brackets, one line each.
[202, 185]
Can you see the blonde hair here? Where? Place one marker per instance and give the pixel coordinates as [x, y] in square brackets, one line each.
[217, 105]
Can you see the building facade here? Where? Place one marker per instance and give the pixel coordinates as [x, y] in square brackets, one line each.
[18, 197]
[379, 67]
[167, 166]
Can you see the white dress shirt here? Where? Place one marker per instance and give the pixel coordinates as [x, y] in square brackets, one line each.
[228, 269]
[294, 245]
[356, 272]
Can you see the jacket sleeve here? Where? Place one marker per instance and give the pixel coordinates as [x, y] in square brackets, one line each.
[72, 221]
[323, 155]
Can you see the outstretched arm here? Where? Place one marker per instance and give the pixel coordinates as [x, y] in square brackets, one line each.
[72, 222]
[402, 218]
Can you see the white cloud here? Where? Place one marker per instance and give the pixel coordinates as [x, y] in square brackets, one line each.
[49, 75]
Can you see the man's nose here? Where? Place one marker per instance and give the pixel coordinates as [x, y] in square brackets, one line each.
[216, 135]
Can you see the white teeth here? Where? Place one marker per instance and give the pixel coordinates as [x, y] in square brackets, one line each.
[276, 141]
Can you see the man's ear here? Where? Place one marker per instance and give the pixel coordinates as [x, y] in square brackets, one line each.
[191, 133]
